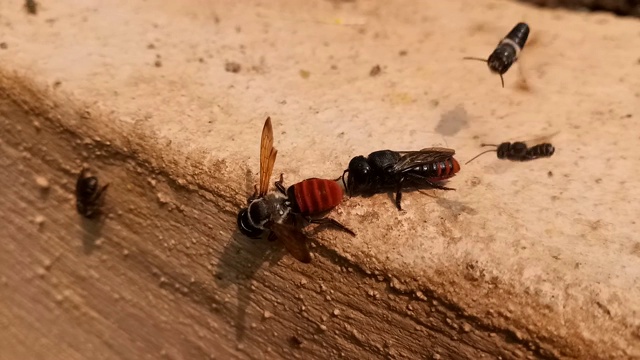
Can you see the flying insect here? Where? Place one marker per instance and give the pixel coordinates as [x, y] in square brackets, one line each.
[519, 151]
[507, 51]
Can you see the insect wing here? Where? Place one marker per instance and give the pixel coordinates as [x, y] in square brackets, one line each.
[540, 139]
[410, 159]
[267, 157]
[294, 241]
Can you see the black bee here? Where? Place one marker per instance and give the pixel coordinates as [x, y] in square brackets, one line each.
[89, 196]
[519, 151]
[386, 169]
[507, 51]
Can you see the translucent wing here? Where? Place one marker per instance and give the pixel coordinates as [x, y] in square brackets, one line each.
[267, 157]
[410, 159]
[540, 139]
[294, 241]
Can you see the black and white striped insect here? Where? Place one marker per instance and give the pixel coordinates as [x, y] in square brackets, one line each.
[519, 151]
[507, 51]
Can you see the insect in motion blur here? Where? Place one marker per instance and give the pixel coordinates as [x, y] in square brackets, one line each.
[387, 169]
[284, 212]
[519, 151]
[89, 196]
[31, 6]
[507, 51]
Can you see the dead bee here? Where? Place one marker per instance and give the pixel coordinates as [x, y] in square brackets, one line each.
[89, 197]
[507, 51]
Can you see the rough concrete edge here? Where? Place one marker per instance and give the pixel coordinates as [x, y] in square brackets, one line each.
[189, 170]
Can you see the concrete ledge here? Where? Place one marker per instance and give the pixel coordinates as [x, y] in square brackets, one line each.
[516, 263]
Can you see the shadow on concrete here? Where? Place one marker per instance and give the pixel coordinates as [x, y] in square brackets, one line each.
[241, 259]
[91, 231]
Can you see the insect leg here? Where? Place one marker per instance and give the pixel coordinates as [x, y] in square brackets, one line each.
[272, 236]
[280, 184]
[429, 182]
[99, 194]
[254, 196]
[333, 222]
[399, 193]
[344, 182]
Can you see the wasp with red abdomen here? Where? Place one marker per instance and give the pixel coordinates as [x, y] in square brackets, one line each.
[507, 51]
[519, 151]
[388, 169]
[283, 213]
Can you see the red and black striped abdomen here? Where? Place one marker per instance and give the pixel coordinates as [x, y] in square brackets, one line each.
[443, 170]
[314, 196]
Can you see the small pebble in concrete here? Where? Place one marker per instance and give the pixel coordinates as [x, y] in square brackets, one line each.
[42, 182]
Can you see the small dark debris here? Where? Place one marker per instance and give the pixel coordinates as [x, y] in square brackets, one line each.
[403, 53]
[151, 46]
[295, 341]
[232, 67]
[304, 74]
[201, 60]
[57, 83]
[158, 63]
[603, 308]
[550, 173]
[598, 180]
[334, 67]
[3, 45]
[31, 6]
[375, 71]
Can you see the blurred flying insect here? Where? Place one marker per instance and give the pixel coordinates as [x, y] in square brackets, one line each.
[388, 169]
[507, 51]
[31, 6]
[89, 196]
[519, 151]
[286, 211]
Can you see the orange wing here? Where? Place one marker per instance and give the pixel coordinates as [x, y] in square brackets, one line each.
[267, 157]
[294, 241]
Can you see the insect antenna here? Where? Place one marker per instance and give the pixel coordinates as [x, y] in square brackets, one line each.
[343, 182]
[474, 58]
[484, 152]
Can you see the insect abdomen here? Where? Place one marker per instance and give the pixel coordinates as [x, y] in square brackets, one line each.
[441, 170]
[519, 34]
[541, 150]
[313, 196]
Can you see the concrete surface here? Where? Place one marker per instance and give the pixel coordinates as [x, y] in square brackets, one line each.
[523, 260]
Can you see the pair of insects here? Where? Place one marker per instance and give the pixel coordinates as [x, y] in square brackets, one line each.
[283, 213]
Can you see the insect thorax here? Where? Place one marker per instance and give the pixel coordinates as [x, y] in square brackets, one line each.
[272, 207]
